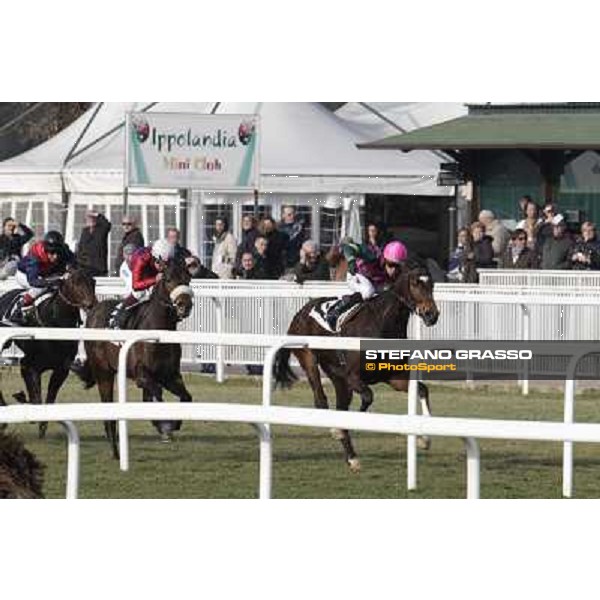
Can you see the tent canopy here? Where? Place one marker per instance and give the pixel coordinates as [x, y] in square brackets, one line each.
[305, 148]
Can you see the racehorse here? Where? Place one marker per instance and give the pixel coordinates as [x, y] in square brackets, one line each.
[73, 292]
[384, 316]
[153, 367]
[21, 474]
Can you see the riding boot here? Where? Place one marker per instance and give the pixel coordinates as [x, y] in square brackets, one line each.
[120, 313]
[339, 308]
[20, 315]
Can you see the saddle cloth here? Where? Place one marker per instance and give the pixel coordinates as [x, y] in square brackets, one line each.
[319, 313]
[8, 303]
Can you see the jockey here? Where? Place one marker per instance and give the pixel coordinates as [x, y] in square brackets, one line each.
[146, 265]
[367, 276]
[44, 264]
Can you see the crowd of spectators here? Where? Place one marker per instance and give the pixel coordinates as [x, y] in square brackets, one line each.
[541, 240]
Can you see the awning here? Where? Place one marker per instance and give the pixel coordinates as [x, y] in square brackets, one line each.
[565, 126]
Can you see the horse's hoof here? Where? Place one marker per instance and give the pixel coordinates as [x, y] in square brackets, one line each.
[20, 397]
[42, 431]
[354, 465]
[337, 434]
[423, 443]
[166, 438]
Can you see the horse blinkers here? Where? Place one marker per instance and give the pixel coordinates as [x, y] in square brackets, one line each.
[182, 298]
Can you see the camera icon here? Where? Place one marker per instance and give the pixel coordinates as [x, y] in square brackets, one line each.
[370, 367]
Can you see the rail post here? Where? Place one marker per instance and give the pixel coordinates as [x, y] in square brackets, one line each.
[473, 468]
[73, 460]
[526, 333]
[266, 447]
[219, 358]
[122, 397]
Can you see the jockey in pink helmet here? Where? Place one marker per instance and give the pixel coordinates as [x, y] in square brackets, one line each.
[363, 287]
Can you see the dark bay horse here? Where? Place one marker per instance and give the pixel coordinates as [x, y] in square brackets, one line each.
[74, 292]
[21, 473]
[153, 367]
[384, 316]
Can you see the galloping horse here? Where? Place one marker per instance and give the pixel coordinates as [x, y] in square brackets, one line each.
[74, 291]
[152, 366]
[384, 316]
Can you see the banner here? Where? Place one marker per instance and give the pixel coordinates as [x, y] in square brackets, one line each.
[179, 150]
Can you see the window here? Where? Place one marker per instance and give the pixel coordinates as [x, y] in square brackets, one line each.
[330, 226]
[153, 223]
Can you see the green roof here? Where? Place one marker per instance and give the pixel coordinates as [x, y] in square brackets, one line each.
[565, 126]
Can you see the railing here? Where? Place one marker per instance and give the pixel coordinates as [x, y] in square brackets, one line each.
[536, 278]
[262, 417]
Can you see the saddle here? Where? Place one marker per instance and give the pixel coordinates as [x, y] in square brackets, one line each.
[10, 301]
[121, 315]
[320, 310]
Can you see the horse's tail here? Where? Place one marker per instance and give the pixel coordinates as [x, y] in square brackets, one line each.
[284, 376]
[84, 372]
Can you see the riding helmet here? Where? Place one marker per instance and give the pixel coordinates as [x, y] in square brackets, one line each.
[395, 252]
[162, 250]
[53, 241]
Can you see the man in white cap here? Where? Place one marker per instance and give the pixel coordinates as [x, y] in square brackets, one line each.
[499, 234]
[557, 250]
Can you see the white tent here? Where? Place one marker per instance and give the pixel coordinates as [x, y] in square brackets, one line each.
[305, 148]
[377, 120]
[308, 157]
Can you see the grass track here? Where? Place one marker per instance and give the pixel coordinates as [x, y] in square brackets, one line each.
[221, 460]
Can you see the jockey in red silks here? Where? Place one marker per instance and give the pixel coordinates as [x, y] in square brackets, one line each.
[40, 269]
[147, 265]
[367, 275]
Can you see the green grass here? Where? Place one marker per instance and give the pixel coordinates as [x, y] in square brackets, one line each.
[221, 460]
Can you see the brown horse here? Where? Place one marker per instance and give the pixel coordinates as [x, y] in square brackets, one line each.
[384, 316]
[153, 367]
[74, 291]
[21, 474]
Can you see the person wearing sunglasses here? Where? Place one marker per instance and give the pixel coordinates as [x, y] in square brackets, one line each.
[132, 236]
[518, 254]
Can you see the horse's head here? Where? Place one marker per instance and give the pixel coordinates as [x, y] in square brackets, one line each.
[174, 284]
[78, 288]
[415, 286]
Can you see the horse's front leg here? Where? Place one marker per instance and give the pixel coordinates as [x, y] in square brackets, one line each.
[152, 392]
[33, 382]
[56, 381]
[177, 387]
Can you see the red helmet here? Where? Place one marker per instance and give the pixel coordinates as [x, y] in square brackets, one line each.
[395, 252]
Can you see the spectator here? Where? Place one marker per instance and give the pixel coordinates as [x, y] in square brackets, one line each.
[197, 270]
[223, 258]
[125, 269]
[249, 233]
[545, 228]
[557, 250]
[375, 238]
[518, 254]
[14, 237]
[499, 234]
[173, 237]
[276, 247]
[586, 252]
[483, 249]
[248, 269]
[294, 230]
[312, 265]
[131, 236]
[523, 202]
[531, 224]
[461, 266]
[260, 255]
[92, 250]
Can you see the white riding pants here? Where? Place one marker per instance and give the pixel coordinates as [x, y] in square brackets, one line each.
[359, 283]
[21, 279]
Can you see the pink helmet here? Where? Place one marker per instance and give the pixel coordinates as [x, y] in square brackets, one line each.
[395, 252]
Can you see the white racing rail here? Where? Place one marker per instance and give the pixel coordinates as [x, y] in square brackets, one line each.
[262, 417]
